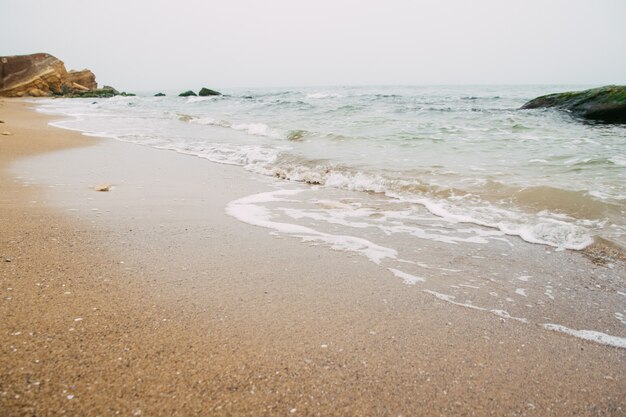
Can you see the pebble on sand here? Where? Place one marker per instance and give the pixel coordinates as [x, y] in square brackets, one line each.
[103, 187]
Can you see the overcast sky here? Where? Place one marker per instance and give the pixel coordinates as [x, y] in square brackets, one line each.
[141, 45]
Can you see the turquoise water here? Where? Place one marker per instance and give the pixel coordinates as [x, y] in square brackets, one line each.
[465, 153]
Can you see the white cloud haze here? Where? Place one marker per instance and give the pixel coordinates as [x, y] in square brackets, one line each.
[160, 45]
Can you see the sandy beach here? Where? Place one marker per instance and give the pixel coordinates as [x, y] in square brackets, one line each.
[150, 300]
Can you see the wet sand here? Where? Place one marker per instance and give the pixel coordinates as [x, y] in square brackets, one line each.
[149, 300]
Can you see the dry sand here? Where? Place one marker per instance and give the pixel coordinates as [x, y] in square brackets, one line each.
[159, 304]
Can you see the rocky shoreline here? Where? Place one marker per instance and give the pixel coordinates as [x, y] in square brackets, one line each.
[44, 75]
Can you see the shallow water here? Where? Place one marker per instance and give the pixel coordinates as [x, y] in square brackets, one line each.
[477, 268]
[465, 153]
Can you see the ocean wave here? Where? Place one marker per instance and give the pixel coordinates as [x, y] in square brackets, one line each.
[200, 99]
[208, 121]
[533, 229]
[546, 229]
[256, 129]
[362, 135]
[323, 95]
[289, 104]
[618, 160]
[248, 156]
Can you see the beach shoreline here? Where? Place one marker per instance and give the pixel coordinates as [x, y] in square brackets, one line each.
[151, 300]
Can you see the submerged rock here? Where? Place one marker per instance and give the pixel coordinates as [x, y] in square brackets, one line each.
[208, 92]
[159, 95]
[604, 104]
[187, 93]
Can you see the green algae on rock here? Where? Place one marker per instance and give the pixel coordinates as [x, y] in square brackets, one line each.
[605, 104]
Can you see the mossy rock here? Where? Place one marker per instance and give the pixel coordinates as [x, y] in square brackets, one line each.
[208, 92]
[187, 93]
[98, 93]
[104, 92]
[604, 104]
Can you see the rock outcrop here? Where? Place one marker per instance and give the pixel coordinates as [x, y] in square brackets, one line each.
[208, 92]
[187, 93]
[82, 80]
[39, 75]
[604, 104]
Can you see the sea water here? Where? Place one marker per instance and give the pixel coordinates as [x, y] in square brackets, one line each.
[465, 153]
[417, 180]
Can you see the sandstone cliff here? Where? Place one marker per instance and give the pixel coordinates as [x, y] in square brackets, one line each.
[39, 75]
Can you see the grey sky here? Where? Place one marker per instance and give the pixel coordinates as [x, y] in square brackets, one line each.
[160, 45]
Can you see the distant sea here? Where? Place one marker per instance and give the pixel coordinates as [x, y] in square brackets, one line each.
[464, 154]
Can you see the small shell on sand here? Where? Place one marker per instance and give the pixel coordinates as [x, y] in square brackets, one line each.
[6, 133]
[102, 187]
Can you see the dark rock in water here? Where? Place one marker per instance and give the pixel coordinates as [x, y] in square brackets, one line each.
[208, 92]
[104, 92]
[187, 94]
[113, 90]
[604, 104]
[159, 95]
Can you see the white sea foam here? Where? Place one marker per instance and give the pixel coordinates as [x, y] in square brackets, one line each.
[324, 95]
[618, 160]
[193, 99]
[345, 218]
[591, 335]
[358, 181]
[256, 129]
[407, 278]
[541, 230]
[250, 210]
[426, 266]
[474, 287]
[328, 217]
[209, 121]
[451, 299]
